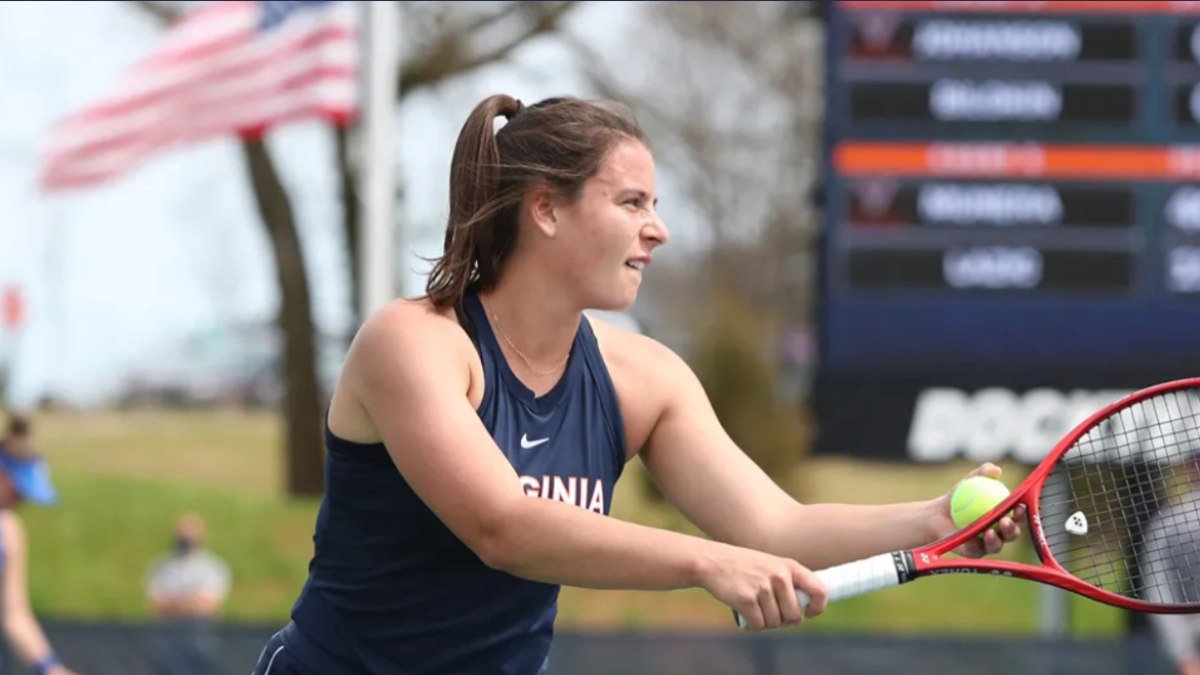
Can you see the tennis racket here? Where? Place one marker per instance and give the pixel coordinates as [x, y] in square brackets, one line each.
[1113, 512]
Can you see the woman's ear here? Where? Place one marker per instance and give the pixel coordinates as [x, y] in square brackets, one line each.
[542, 206]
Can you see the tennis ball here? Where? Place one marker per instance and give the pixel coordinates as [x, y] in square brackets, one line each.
[974, 497]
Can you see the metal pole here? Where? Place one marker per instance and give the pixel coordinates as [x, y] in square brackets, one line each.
[378, 243]
[1054, 611]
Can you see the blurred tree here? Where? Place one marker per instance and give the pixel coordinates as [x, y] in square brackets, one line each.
[741, 381]
[442, 41]
[733, 107]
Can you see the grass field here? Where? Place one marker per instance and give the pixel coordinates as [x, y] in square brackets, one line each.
[125, 477]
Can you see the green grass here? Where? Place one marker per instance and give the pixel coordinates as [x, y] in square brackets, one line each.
[125, 478]
[89, 556]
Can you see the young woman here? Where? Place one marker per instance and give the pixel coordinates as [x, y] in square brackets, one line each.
[476, 433]
[23, 477]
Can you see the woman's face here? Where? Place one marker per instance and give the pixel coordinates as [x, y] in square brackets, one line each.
[604, 238]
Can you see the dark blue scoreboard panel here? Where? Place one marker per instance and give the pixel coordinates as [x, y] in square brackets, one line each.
[1011, 226]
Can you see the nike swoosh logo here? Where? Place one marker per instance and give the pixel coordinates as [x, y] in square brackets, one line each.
[528, 444]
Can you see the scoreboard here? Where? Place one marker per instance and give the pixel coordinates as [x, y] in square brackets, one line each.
[1011, 219]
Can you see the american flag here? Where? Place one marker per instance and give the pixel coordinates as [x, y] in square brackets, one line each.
[223, 68]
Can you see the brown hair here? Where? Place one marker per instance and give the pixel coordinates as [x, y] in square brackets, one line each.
[18, 426]
[560, 142]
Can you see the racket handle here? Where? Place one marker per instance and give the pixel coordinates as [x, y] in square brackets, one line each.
[858, 577]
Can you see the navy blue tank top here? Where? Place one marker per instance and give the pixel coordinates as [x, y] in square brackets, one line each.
[391, 591]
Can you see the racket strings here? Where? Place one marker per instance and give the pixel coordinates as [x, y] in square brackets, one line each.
[1135, 479]
[1097, 565]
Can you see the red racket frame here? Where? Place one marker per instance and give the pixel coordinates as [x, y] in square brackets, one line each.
[927, 560]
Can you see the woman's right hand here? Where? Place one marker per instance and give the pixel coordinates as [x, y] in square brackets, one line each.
[761, 587]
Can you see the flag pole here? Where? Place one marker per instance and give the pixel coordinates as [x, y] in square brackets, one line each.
[379, 242]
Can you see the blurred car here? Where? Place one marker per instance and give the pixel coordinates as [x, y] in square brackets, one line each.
[242, 368]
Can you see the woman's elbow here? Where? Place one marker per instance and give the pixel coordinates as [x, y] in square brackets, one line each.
[494, 538]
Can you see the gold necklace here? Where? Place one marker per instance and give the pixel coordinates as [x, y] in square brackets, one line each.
[553, 370]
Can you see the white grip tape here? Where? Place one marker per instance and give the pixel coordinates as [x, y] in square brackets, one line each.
[853, 578]
[856, 578]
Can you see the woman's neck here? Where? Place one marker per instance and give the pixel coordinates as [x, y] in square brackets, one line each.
[533, 321]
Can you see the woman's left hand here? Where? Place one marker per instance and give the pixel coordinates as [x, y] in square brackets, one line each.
[993, 539]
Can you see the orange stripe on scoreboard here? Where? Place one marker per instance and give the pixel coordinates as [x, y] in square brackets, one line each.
[1131, 162]
[1031, 6]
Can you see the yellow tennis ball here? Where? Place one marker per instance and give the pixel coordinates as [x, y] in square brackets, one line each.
[974, 497]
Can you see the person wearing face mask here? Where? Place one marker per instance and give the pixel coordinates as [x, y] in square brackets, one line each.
[186, 588]
[24, 478]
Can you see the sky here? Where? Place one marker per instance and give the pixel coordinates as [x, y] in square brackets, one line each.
[118, 275]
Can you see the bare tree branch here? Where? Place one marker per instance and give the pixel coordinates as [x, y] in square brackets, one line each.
[450, 55]
[483, 23]
[734, 111]
[450, 52]
[657, 111]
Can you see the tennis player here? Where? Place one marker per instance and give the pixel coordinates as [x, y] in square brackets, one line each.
[476, 433]
[23, 478]
[1170, 569]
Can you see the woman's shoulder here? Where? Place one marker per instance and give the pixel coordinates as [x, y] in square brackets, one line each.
[408, 320]
[410, 330]
[403, 348]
